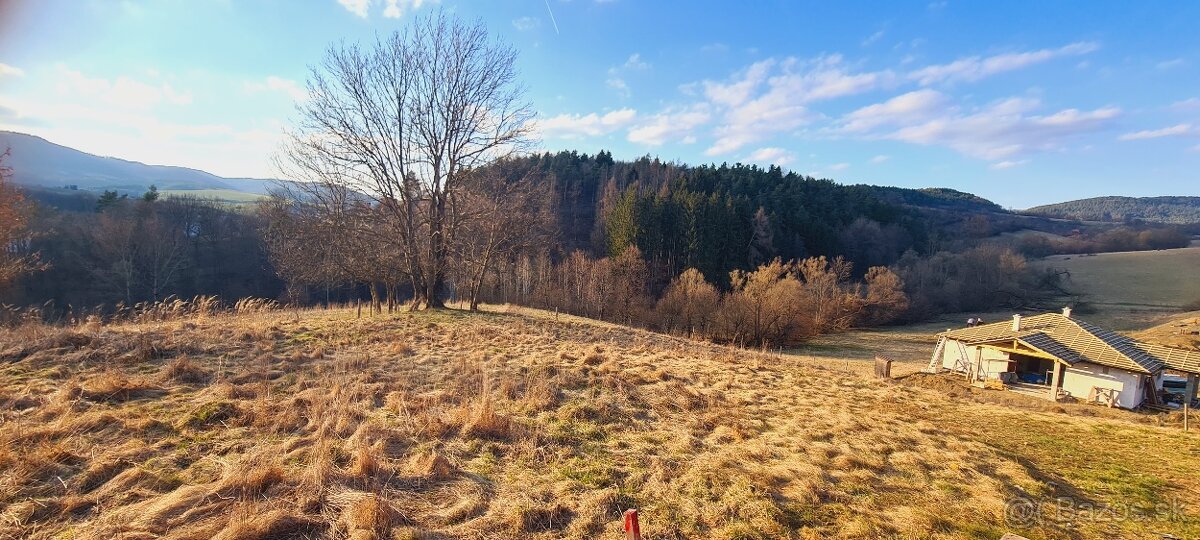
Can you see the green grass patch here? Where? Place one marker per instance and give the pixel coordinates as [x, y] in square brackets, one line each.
[223, 195]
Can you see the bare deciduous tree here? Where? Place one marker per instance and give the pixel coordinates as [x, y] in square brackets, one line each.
[885, 299]
[15, 258]
[401, 124]
[503, 210]
[689, 304]
[834, 303]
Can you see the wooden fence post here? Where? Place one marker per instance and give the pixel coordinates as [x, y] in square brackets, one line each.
[883, 367]
[632, 530]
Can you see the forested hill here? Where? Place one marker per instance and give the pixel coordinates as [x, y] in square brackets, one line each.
[1174, 210]
[719, 217]
[940, 198]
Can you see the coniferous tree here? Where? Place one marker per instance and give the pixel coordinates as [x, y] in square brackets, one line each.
[107, 200]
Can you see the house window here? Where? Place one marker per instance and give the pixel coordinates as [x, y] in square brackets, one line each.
[1104, 370]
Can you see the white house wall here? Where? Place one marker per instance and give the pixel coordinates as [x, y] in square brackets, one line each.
[1078, 380]
[952, 354]
[994, 362]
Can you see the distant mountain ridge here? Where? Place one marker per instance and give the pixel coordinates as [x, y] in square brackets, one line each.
[38, 162]
[1175, 210]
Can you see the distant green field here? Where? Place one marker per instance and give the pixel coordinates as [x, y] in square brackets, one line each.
[1137, 280]
[225, 195]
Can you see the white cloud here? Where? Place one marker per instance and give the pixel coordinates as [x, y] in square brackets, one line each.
[905, 107]
[1008, 164]
[616, 79]
[771, 96]
[526, 23]
[572, 126]
[1190, 104]
[873, 38]
[740, 90]
[277, 84]
[880, 159]
[1004, 129]
[975, 68]
[1170, 64]
[393, 9]
[123, 92]
[397, 8]
[670, 125]
[999, 131]
[10, 71]
[771, 155]
[618, 84]
[779, 96]
[839, 166]
[635, 62]
[1179, 129]
[357, 7]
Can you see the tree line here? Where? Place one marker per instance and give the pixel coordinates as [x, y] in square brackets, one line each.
[1123, 238]
[144, 249]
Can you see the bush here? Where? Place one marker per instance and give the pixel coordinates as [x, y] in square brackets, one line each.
[689, 304]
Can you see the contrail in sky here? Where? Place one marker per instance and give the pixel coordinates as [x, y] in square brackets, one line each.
[552, 17]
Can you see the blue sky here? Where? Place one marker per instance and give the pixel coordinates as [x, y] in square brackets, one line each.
[1024, 103]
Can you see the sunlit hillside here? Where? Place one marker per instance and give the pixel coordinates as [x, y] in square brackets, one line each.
[1161, 280]
[445, 424]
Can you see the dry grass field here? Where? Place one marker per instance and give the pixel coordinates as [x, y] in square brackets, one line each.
[517, 425]
[1134, 281]
[1182, 332]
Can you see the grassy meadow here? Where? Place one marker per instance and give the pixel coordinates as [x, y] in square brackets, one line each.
[228, 196]
[1163, 280]
[318, 424]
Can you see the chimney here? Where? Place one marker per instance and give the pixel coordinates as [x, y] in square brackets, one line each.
[1067, 312]
[1017, 322]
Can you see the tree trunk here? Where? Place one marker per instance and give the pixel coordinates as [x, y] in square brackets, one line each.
[375, 305]
[476, 285]
[435, 276]
[418, 293]
[433, 292]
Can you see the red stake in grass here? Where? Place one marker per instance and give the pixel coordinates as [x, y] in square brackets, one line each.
[632, 530]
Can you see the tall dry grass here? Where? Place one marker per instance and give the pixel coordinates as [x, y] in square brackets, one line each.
[312, 424]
